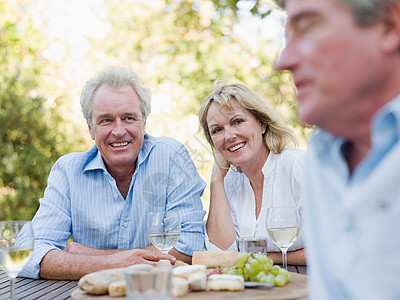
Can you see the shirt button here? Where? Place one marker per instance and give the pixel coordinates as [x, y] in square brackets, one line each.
[125, 224]
[115, 196]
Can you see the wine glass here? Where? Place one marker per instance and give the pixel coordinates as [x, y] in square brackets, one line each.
[164, 229]
[283, 226]
[15, 248]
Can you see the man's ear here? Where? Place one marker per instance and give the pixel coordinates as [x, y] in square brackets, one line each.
[391, 20]
[91, 130]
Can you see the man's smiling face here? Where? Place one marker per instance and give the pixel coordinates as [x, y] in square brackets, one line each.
[117, 127]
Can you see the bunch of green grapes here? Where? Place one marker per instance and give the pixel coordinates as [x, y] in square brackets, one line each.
[259, 268]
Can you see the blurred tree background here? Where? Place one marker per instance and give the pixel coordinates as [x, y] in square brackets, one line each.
[178, 47]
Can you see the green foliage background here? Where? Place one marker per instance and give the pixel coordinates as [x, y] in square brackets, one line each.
[31, 135]
[179, 48]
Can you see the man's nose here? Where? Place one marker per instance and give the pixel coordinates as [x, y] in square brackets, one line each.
[287, 59]
[119, 128]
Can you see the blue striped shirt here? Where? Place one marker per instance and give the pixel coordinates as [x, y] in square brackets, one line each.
[82, 200]
[352, 219]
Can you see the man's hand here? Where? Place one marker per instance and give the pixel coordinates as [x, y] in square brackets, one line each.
[151, 247]
[148, 255]
[77, 260]
[140, 256]
[178, 255]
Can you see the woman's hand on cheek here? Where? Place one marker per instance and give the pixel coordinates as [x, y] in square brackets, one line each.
[221, 166]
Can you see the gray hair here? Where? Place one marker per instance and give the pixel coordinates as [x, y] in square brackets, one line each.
[114, 77]
[365, 12]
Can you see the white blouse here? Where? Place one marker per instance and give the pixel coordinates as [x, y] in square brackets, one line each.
[283, 176]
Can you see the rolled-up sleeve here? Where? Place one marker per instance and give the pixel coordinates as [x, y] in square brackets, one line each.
[52, 222]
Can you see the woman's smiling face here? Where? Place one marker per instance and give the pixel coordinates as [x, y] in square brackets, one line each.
[236, 134]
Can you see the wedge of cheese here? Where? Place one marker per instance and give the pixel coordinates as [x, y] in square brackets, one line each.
[224, 282]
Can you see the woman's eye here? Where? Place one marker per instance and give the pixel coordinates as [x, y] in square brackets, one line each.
[237, 121]
[216, 130]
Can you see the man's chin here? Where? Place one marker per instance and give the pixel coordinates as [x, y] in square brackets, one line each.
[307, 117]
[312, 110]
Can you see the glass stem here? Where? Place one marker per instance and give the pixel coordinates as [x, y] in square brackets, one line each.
[12, 288]
[284, 258]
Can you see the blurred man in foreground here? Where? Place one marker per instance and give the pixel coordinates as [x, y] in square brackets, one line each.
[345, 60]
[102, 197]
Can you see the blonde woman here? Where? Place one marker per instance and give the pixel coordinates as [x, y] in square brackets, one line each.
[254, 168]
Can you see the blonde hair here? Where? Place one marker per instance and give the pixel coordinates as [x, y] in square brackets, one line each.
[277, 134]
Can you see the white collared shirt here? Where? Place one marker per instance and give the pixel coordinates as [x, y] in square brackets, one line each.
[283, 176]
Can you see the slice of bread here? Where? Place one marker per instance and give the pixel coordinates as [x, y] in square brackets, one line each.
[213, 259]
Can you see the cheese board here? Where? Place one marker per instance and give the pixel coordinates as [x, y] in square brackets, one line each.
[295, 289]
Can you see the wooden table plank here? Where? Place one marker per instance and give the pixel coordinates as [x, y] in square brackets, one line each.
[302, 270]
[44, 290]
[18, 281]
[62, 292]
[3, 276]
[29, 285]
[37, 290]
[5, 283]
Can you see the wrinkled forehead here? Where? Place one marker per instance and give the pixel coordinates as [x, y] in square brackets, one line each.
[301, 13]
[295, 7]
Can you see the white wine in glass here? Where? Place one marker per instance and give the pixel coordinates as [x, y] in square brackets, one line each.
[164, 229]
[283, 226]
[16, 245]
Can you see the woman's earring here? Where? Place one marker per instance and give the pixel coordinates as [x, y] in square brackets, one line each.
[263, 127]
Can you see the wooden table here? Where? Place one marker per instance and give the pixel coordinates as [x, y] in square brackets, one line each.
[56, 289]
[37, 288]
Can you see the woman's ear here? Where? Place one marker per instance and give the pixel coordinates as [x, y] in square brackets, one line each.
[263, 128]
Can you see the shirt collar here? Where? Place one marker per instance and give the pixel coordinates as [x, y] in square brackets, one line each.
[148, 144]
[385, 131]
[387, 116]
[95, 160]
[325, 144]
[269, 164]
[386, 124]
